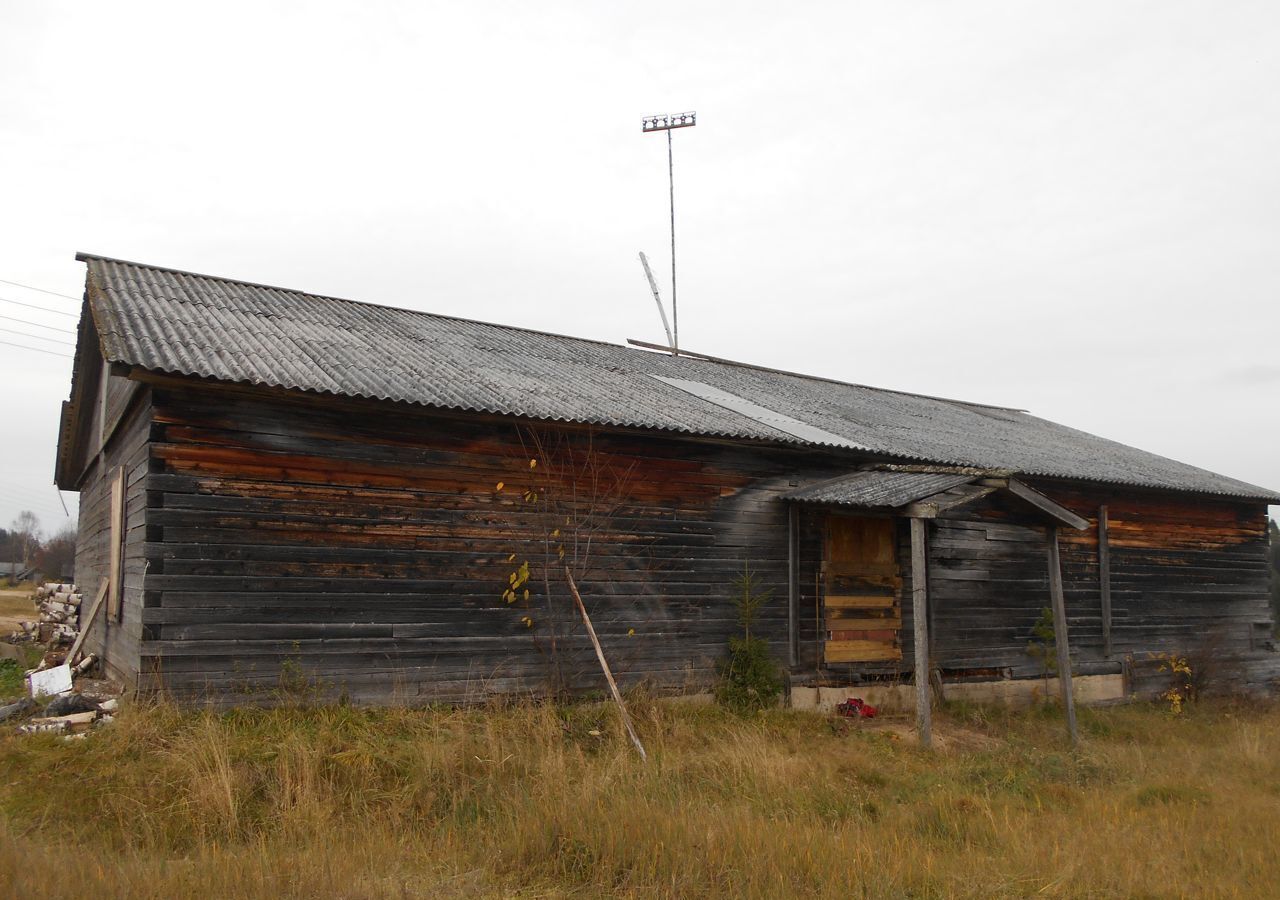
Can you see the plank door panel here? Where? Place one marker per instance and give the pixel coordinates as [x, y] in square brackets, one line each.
[862, 617]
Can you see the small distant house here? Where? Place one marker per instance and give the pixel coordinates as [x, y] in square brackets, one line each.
[276, 482]
[17, 571]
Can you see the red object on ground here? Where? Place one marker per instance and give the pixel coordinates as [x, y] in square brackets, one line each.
[854, 708]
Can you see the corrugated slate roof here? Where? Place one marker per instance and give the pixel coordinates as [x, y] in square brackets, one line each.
[878, 489]
[188, 324]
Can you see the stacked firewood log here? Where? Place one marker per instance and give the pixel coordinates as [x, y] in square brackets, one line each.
[63, 704]
[58, 606]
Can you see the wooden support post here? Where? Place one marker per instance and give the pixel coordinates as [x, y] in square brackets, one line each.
[116, 549]
[608, 675]
[1060, 633]
[920, 620]
[818, 633]
[793, 586]
[1104, 578]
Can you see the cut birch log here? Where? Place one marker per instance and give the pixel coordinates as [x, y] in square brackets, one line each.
[34, 728]
[84, 718]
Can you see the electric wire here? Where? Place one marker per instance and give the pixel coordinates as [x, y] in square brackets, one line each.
[37, 350]
[44, 514]
[18, 494]
[56, 312]
[20, 503]
[36, 337]
[39, 290]
[38, 324]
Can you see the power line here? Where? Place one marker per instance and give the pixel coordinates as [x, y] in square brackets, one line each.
[51, 512]
[47, 513]
[38, 350]
[38, 325]
[20, 488]
[19, 495]
[37, 337]
[56, 312]
[39, 290]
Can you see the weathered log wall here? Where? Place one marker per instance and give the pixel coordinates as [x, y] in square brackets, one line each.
[1188, 575]
[126, 436]
[361, 549]
[370, 553]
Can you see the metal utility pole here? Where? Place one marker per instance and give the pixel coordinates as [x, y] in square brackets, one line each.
[669, 123]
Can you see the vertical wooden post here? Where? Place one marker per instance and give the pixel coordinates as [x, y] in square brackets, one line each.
[793, 586]
[920, 621]
[103, 378]
[117, 544]
[1104, 578]
[818, 634]
[1060, 633]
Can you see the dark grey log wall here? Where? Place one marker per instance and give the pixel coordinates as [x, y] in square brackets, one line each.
[363, 549]
[371, 554]
[126, 435]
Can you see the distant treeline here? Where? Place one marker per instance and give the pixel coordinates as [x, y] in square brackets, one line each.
[24, 545]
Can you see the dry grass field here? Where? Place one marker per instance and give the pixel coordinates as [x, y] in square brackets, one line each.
[547, 801]
[15, 606]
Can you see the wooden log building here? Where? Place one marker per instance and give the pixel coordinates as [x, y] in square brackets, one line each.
[379, 501]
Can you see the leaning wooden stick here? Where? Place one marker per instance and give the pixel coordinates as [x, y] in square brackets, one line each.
[613, 685]
[88, 622]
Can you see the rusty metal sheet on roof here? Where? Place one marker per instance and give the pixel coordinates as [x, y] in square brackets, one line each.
[188, 324]
[877, 489]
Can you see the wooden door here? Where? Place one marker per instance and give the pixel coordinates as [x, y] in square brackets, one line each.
[861, 612]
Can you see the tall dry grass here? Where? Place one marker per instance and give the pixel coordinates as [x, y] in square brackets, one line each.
[530, 801]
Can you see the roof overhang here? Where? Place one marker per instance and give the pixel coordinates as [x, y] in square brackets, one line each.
[928, 494]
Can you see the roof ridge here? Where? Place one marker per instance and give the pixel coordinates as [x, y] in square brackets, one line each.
[82, 256]
[85, 257]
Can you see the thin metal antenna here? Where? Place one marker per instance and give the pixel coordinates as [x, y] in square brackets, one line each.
[671, 187]
[653, 286]
[668, 123]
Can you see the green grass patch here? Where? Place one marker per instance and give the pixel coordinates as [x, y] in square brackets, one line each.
[12, 682]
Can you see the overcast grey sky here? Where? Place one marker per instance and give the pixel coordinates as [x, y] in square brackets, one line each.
[1072, 208]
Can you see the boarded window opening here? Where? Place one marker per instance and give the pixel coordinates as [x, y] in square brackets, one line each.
[861, 610]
